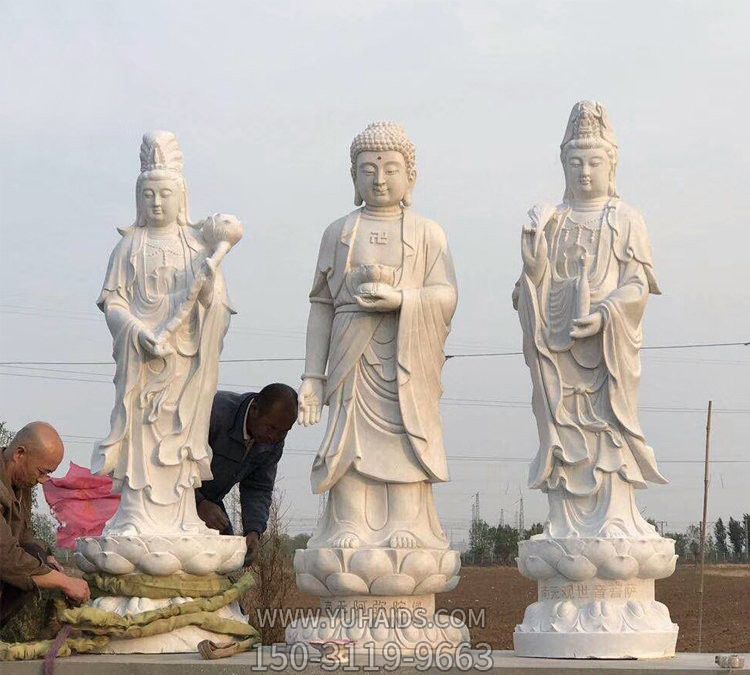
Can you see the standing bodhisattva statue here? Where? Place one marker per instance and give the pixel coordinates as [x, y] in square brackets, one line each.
[382, 300]
[166, 306]
[587, 275]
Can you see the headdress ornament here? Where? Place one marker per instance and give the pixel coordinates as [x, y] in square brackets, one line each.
[161, 151]
[381, 137]
[589, 121]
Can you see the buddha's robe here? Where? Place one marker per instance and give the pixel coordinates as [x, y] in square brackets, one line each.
[383, 378]
[585, 391]
[158, 443]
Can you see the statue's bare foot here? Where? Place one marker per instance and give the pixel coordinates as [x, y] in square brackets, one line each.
[403, 539]
[346, 540]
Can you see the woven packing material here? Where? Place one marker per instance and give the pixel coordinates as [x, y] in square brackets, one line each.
[93, 628]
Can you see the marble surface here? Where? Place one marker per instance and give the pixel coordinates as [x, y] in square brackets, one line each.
[382, 299]
[587, 275]
[165, 302]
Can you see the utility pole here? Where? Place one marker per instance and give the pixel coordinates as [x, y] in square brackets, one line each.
[703, 526]
[502, 517]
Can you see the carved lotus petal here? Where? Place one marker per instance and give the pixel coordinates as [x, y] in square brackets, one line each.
[535, 567]
[419, 565]
[621, 545]
[203, 563]
[89, 547]
[326, 629]
[450, 563]
[658, 566]
[393, 584]
[381, 633]
[565, 616]
[635, 615]
[131, 548]
[619, 567]
[664, 545]
[83, 563]
[160, 564]
[550, 550]
[574, 546]
[409, 634]
[599, 550]
[536, 619]
[322, 562]
[642, 549]
[355, 630]
[185, 548]
[299, 560]
[451, 584]
[307, 583]
[163, 545]
[345, 583]
[611, 620]
[435, 583]
[233, 562]
[370, 563]
[576, 567]
[114, 563]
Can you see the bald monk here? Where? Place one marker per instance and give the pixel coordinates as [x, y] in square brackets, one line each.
[25, 562]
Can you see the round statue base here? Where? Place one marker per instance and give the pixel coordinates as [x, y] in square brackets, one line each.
[643, 645]
[368, 625]
[181, 640]
[596, 598]
[378, 600]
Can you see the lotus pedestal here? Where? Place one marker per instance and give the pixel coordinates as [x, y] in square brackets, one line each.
[378, 600]
[161, 556]
[596, 599]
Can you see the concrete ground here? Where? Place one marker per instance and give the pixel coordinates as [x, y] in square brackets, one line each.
[281, 660]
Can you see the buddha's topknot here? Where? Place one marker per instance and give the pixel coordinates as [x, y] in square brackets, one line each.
[383, 136]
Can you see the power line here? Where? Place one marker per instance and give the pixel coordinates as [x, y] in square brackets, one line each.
[453, 458]
[702, 345]
[457, 402]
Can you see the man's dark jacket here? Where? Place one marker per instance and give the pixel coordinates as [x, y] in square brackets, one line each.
[232, 463]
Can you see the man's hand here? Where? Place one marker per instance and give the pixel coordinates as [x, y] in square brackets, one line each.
[76, 590]
[253, 541]
[213, 515]
[310, 401]
[54, 564]
[587, 326]
[378, 297]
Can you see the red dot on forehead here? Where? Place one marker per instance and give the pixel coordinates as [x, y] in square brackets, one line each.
[379, 157]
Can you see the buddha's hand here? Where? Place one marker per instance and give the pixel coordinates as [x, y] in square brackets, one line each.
[533, 252]
[310, 401]
[378, 297]
[587, 326]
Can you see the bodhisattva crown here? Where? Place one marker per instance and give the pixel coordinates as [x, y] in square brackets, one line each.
[161, 151]
[589, 121]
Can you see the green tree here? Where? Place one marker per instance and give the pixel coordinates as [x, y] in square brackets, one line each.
[737, 537]
[720, 536]
[506, 544]
[481, 538]
[536, 528]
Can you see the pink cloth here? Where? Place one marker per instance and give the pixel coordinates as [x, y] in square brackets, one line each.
[81, 502]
